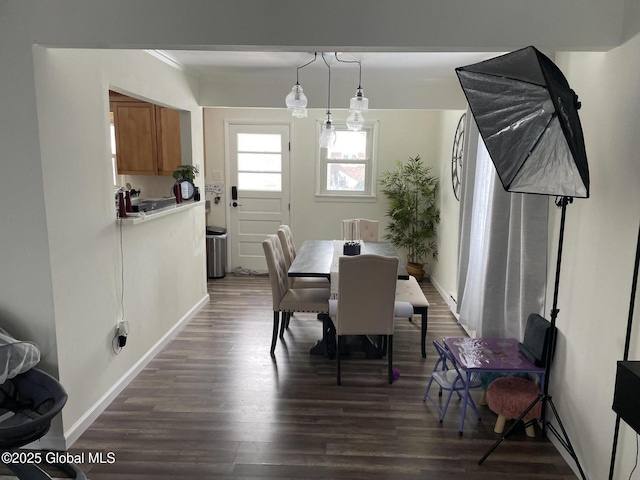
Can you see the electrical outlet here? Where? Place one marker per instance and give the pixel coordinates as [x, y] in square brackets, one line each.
[122, 332]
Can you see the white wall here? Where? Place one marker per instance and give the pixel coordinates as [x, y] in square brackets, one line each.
[164, 260]
[414, 90]
[597, 263]
[444, 271]
[401, 134]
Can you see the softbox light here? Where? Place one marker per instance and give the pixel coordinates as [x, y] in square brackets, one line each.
[528, 118]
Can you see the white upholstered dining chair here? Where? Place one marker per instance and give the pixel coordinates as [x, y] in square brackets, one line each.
[367, 230]
[285, 299]
[288, 245]
[366, 302]
[289, 250]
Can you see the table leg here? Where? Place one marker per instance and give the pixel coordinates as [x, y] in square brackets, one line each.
[327, 346]
[465, 400]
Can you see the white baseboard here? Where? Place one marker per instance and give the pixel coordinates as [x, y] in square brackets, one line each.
[61, 444]
[447, 296]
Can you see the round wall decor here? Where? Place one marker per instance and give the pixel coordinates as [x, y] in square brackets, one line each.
[456, 156]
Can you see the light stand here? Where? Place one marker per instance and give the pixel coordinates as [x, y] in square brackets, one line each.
[627, 342]
[544, 397]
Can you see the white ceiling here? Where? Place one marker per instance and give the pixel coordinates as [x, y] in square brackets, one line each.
[392, 80]
[426, 65]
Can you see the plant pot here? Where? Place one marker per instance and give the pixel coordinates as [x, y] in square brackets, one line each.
[416, 270]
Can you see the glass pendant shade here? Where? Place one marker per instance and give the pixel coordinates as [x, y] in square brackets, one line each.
[355, 121]
[328, 133]
[296, 99]
[299, 112]
[359, 103]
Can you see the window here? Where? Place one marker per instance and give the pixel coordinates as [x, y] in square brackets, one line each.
[259, 161]
[348, 169]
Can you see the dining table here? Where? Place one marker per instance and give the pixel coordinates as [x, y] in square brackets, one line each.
[316, 257]
[476, 355]
[319, 258]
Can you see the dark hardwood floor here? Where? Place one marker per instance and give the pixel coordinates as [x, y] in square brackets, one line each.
[214, 404]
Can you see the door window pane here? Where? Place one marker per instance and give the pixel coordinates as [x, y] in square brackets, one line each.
[259, 162]
[271, 182]
[259, 142]
[346, 176]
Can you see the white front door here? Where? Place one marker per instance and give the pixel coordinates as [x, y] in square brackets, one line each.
[259, 190]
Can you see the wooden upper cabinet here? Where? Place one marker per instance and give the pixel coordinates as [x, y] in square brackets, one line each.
[168, 140]
[136, 152]
[147, 137]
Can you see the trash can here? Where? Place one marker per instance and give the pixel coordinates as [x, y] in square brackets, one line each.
[216, 252]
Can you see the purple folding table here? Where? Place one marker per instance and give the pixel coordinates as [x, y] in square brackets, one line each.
[475, 355]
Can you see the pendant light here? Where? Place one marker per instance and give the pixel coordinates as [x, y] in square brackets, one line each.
[328, 131]
[296, 100]
[358, 104]
[355, 121]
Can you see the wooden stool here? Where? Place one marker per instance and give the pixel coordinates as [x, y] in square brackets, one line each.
[509, 397]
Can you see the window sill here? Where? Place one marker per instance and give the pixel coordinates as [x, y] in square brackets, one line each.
[137, 218]
[346, 198]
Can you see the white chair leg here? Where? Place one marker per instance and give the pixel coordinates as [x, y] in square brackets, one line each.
[499, 426]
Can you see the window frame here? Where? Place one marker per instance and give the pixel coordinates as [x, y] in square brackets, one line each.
[371, 165]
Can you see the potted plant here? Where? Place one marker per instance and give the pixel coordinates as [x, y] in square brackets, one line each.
[185, 175]
[185, 172]
[412, 212]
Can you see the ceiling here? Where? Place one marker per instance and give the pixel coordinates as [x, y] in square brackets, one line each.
[427, 65]
[261, 79]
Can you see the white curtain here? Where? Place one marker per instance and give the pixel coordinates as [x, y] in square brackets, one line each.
[502, 261]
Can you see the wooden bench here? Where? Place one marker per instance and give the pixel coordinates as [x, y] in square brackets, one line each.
[410, 291]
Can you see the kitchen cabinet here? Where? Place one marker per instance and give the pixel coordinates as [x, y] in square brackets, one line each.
[147, 137]
[168, 140]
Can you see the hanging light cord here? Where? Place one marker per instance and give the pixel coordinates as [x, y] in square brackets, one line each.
[353, 61]
[634, 467]
[315, 57]
[329, 96]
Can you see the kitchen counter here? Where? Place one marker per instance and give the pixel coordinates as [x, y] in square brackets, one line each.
[135, 218]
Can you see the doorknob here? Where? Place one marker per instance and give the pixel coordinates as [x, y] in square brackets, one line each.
[234, 196]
